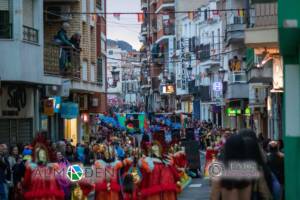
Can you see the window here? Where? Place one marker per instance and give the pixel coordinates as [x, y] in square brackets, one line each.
[100, 65]
[213, 39]
[5, 25]
[28, 13]
[110, 52]
[83, 10]
[92, 73]
[84, 76]
[92, 16]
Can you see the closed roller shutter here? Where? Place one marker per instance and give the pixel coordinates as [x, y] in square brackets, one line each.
[4, 131]
[13, 131]
[25, 131]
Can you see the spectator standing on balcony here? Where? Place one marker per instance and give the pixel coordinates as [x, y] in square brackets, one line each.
[75, 40]
[63, 41]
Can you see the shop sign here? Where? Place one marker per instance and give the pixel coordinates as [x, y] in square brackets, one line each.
[69, 110]
[49, 107]
[232, 112]
[217, 86]
[168, 89]
[248, 112]
[66, 85]
[56, 103]
[16, 101]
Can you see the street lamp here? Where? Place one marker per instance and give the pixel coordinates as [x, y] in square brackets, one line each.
[115, 75]
[189, 71]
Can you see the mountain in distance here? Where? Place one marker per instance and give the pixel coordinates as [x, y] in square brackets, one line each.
[125, 46]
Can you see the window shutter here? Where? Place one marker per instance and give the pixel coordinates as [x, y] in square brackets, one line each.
[84, 71]
[4, 5]
[92, 73]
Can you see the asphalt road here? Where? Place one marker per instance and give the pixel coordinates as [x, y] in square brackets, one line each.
[199, 189]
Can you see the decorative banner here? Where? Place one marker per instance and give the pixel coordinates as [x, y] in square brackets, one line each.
[140, 17]
[241, 13]
[215, 12]
[49, 107]
[69, 110]
[117, 16]
[191, 15]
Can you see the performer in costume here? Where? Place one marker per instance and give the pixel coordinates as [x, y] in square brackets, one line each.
[62, 165]
[107, 186]
[162, 179]
[132, 176]
[180, 162]
[39, 180]
[211, 154]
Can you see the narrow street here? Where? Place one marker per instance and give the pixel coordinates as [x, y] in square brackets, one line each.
[198, 189]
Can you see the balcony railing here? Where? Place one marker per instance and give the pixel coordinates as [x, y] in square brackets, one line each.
[5, 31]
[238, 77]
[264, 14]
[30, 34]
[169, 29]
[54, 64]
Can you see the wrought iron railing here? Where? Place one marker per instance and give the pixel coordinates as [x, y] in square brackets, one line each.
[70, 68]
[30, 34]
[264, 14]
[238, 77]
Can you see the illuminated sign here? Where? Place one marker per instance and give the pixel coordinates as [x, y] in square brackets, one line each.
[232, 112]
[248, 112]
[218, 86]
[168, 89]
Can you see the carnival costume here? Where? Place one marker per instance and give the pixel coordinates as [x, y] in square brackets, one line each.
[107, 186]
[162, 179]
[180, 162]
[39, 180]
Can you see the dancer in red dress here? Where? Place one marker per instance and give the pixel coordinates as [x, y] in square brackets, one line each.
[40, 182]
[107, 186]
[162, 180]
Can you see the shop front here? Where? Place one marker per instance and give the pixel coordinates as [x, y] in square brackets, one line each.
[17, 111]
[70, 113]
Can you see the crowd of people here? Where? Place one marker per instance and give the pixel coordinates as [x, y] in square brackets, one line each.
[150, 167]
[231, 147]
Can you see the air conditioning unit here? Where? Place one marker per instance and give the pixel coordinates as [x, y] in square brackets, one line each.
[53, 90]
[58, 13]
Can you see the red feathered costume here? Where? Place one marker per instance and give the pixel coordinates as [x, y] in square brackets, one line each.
[40, 181]
[107, 185]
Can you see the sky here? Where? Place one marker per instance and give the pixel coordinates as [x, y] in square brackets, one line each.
[127, 28]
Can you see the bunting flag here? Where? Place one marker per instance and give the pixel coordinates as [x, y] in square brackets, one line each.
[241, 12]
[215, 12]
[191, 15]
[140, 17]
[117, 16]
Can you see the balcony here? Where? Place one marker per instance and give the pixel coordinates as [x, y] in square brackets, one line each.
[235, 30]
[237, 77]
[169, 29]
[263, 29]
[164, 4]
[52, 62]
[144, 4]
[203, 52]
[5, 31]
[238, 87]
[144, 30]
[30, 35]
